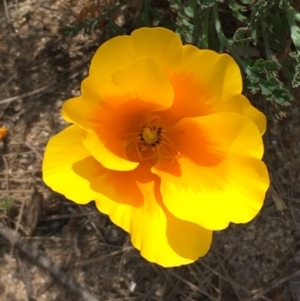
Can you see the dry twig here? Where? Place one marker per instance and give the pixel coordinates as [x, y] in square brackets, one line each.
[20, 243]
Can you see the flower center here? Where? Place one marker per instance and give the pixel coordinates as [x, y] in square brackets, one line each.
[152, 142]
[151, 135]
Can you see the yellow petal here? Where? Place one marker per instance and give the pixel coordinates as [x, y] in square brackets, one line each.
[206, 140]
[111, 153]
[161, 44]
[136, 207]
[219, 72]
[191, 97]
[236, 134]
[112, 55]
[104, 144]
[240, 104]
[62, 152]
[98, 100]
[113, 112]
[202, 79]
[144, 79]
[131, 199]
[221, 179]
[232, 191]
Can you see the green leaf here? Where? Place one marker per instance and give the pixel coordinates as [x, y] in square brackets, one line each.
[238, 10]
[207, 3]
[282, 96]
[265, 66]
[189, 11]
[240, 36]
[296, 78]
[263, 76]
[268, 86]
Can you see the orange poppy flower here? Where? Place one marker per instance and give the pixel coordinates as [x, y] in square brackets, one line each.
[164, 143]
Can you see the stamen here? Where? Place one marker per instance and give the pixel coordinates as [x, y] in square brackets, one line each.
[151, 134]
[169, 148]
[153, 139]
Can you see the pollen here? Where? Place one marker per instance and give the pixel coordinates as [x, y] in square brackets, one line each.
[153, 139]
[151, 136]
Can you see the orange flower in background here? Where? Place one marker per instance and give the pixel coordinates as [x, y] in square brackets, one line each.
[164, 143]
[3, 132]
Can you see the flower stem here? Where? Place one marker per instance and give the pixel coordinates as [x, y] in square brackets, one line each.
[266, 40]
[204, 31]
[224, 42]
[218, 27]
